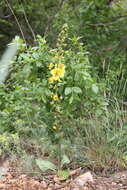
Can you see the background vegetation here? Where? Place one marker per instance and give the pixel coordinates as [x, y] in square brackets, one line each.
[65, 96]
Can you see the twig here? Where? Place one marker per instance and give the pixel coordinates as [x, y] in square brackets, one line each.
[108, 23]
[27, 21]
[16, 20]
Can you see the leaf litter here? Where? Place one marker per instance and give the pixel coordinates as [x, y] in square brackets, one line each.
[77, 180]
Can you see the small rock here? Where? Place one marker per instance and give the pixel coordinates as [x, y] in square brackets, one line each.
[68, 181]
[83, 179]
[75, 172]
[44, 184]
[23, 177]
[51, 186]
[114, 184]
[56, 180]
[57, 186]
[2, 186]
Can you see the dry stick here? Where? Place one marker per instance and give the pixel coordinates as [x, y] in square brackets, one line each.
[27, 21]
[16, 20]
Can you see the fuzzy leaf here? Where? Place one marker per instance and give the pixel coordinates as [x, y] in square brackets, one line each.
[77, 90]
[68, 90]
[95, 88]
[45, 165]
[71, 99]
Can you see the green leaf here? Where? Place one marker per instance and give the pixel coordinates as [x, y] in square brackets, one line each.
[77, 90]
[45, 165]
[65, 160]
[95, 88]
[39, 64]
[63, 174]
[71, 99]
[68, 90]
[43, 98]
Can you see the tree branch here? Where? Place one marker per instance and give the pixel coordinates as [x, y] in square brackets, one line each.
[115, 19]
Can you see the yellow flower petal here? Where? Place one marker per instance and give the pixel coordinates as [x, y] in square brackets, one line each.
[54, 127]
[55, 97]
[61, 66]
[57, 73]
[51, 80]
[51, 65]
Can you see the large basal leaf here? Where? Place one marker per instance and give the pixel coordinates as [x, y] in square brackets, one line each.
[45, 165]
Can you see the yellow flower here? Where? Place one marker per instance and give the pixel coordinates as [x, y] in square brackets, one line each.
[57, 73]
[51, 65]
[51, 79]
[54, 127]
[62, 67]
[55, 97]
[62, 72]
